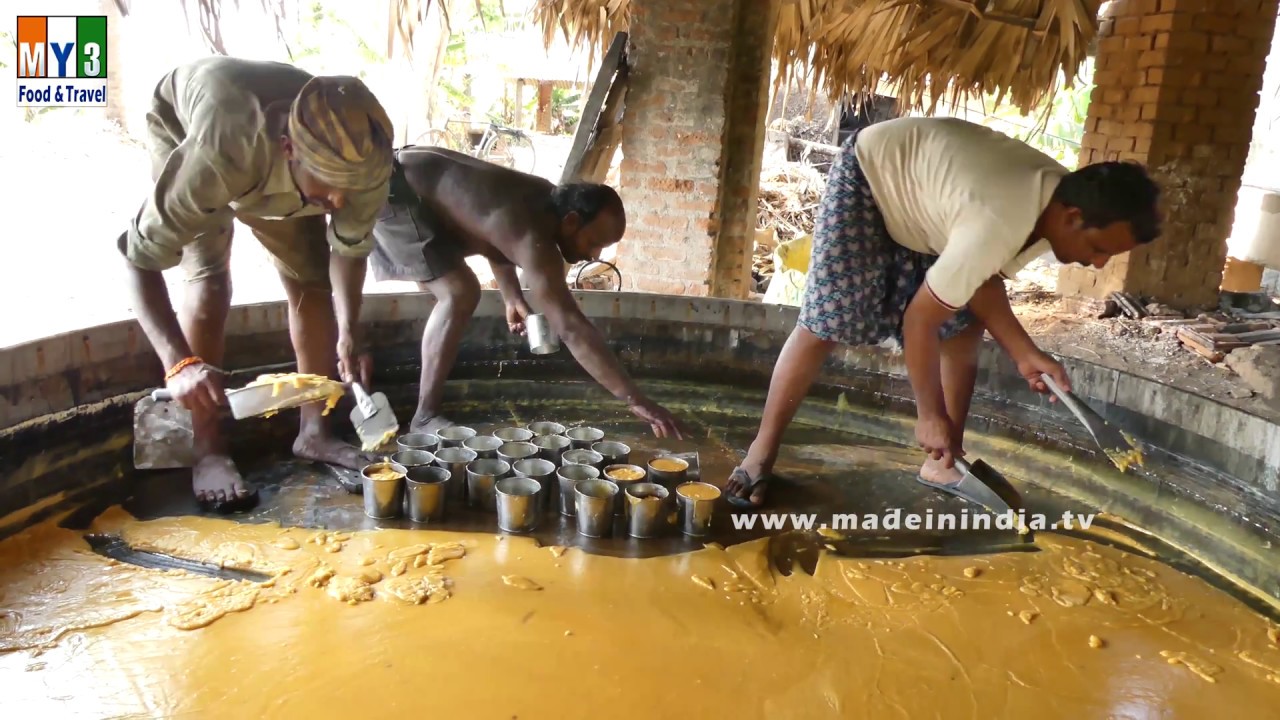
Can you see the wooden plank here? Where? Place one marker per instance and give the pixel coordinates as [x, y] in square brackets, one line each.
[1189, 340]
[609, 66]
[1258, 335]
[1171, 322]
[1129, 305]
[544, 106]
[1246, 327]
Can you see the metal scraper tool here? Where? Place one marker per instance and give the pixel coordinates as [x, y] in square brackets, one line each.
[374, 420]
[987, 487]
[162, 433]
[801, 549]
[116, 548]
[1119, 448]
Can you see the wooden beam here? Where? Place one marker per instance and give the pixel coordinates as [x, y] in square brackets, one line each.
[544, 106]
[613, 60]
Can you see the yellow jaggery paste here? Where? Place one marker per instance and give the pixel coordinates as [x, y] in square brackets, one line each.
[667, 464]
[625, 473]
[699, 491]
[386, 437]
[313, 386]
[384, 473]
[858, 638]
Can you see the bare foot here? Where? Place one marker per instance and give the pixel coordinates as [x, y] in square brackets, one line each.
[332, 451]
[933, 471]
[215, 480]
[430, 424]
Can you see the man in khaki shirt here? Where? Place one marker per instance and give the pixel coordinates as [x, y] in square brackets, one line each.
[277, 149]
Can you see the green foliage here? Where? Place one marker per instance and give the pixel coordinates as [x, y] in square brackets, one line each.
[566, 110]
[1057, 126]
[332, 44]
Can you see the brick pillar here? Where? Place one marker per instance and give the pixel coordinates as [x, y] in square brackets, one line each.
[750, 69]
[684, 164]
[1177, 85]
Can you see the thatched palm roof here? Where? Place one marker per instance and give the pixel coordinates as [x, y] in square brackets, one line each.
[922, 51]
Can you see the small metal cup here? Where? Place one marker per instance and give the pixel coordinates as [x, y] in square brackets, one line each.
[544, 471]
[383, 498]
[513, 434]
[568, 476]
[482, 474]
[519, 500]
[456, 460]
[454, 435]
[426, 487]
[551, 447]
[593, 501]
[668, 471]
[541, 428]
[513, 451]
[485, 446]
[646, 509]
[613, 452]
[418, 441]
[542, 339]
[579, 456]
[692, 459]
[413, 458]
[624, 476]
[584, 437]
[697, 500]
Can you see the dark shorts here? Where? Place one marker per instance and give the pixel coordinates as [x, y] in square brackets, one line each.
[860, 281]
[408, 243]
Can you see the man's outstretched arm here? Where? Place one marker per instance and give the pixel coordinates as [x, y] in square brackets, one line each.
[544, 269]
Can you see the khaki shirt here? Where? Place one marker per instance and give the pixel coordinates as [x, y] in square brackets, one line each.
[216, 154]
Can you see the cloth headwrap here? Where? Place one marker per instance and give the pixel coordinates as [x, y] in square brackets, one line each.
[341, 133]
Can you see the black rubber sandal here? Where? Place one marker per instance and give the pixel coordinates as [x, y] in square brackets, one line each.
[749, 484]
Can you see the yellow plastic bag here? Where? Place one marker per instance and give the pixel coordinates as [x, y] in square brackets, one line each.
[790, 267]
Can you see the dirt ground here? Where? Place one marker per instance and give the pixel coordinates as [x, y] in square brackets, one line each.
[1128, 345]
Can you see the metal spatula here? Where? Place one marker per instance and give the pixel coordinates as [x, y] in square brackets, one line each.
[116, 548]
[1119, 448]
[374, 420]
[162, 434]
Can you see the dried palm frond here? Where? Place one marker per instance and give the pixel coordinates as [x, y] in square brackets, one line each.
[406, 16]
[593, 23]
[210, 19]
[922, 51]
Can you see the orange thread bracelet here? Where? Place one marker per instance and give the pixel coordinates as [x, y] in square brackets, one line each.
[181, 365]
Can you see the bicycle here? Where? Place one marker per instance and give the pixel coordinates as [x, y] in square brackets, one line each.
[497, 143]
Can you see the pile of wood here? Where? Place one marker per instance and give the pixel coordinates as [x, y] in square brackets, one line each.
[1210, 335]
[788, 201]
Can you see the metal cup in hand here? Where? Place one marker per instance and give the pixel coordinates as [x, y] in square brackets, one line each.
[542, 339]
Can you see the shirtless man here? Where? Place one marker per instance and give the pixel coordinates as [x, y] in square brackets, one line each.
[922, 221]
[446, 206]
[277, 149]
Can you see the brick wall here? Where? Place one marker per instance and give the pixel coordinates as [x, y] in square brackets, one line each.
[677, 144]
[1177, 88]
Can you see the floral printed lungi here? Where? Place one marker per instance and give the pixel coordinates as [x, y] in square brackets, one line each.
[860, 281]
